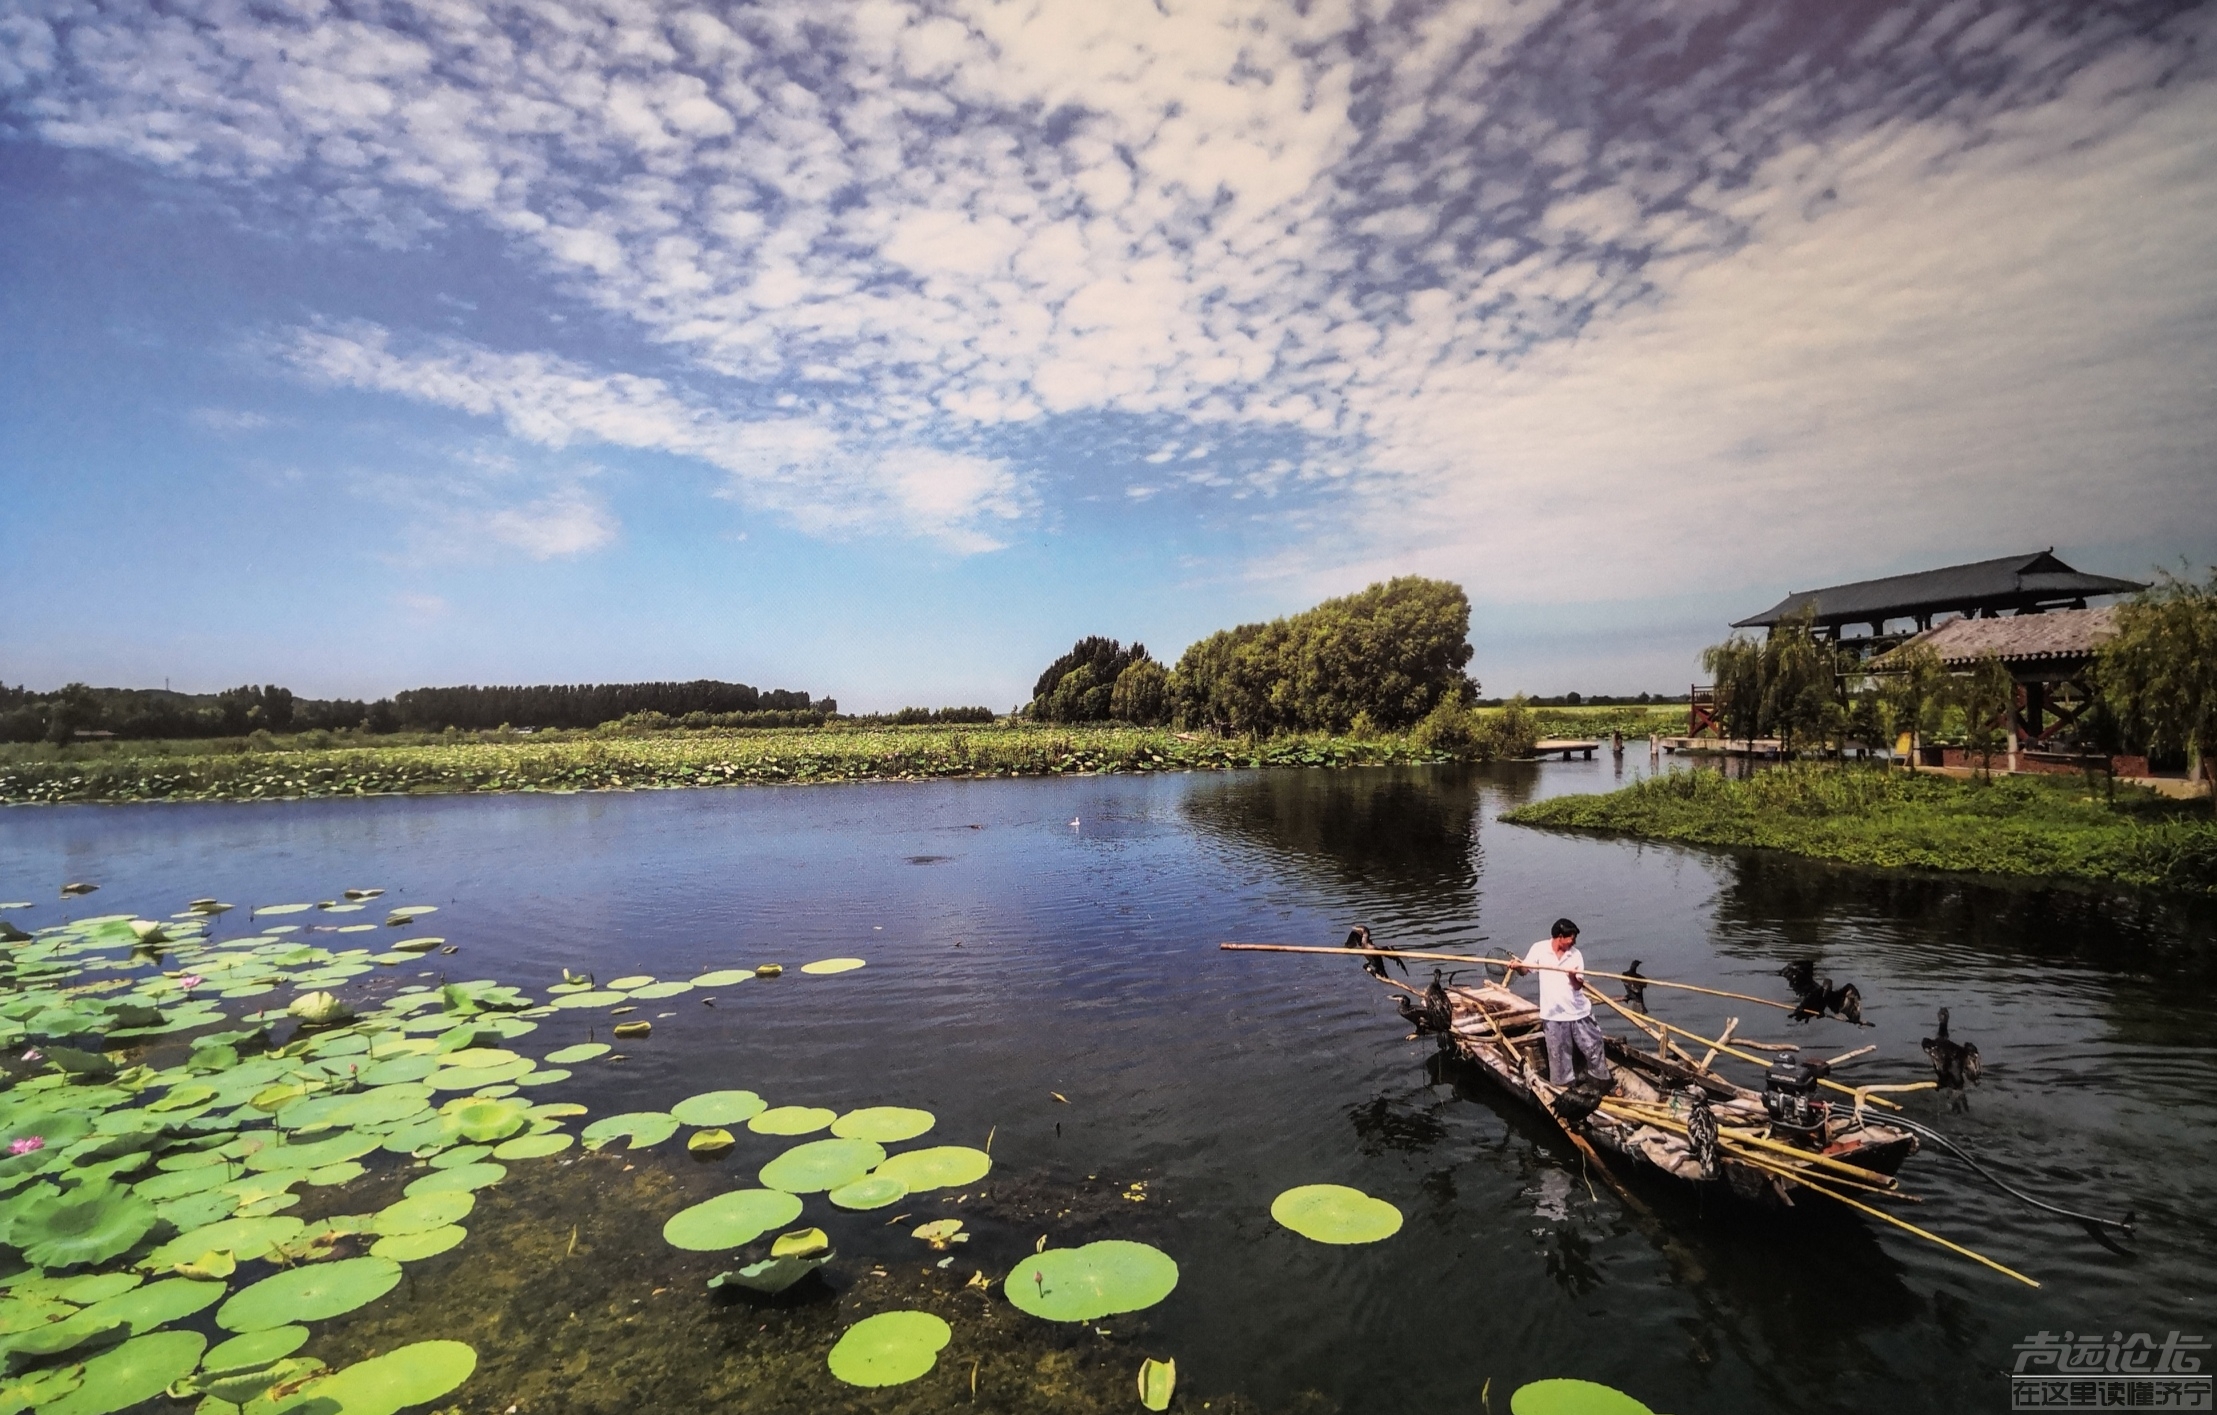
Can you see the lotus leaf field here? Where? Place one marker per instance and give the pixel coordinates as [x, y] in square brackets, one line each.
[145, 1241]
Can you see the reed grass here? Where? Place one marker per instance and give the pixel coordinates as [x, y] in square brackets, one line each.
[2058, 827]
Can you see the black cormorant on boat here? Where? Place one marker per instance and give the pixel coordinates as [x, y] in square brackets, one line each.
[1635, 992]
[1800, 975]
[1701, 1131]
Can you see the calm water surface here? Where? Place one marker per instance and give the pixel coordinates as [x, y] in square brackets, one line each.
[1033, 937]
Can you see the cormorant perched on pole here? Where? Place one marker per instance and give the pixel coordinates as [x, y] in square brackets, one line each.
[1359, 937]
[1635, 993]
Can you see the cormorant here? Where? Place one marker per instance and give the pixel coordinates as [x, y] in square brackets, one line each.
[1701, 1131]
[1359, 937]
[1954, 1062]
[1800, 975]
[1635, 993]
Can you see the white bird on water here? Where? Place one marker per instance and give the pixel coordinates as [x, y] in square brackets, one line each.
[1073, 822]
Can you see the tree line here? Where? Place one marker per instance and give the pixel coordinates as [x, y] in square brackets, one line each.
[59, 716]
[1384, 660]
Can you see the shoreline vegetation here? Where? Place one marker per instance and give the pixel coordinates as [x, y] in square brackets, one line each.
[2048, 826]
[620, 757]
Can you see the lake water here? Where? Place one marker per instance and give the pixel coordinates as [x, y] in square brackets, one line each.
[1030, 938]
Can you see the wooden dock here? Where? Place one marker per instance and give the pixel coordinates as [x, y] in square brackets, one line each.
[1563, 747]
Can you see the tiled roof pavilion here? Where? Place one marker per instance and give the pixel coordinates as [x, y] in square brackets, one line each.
[1982, 589]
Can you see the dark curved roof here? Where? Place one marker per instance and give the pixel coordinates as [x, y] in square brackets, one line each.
[2013, 582]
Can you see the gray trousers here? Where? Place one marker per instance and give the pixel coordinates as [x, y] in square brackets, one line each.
[1580, 1039]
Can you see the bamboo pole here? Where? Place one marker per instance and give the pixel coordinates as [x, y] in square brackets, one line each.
[1923, 1233]
[1739, 1055]
[1463, 958]
[1730, 1023]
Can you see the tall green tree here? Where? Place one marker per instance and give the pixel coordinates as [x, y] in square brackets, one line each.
[1736, 670]
[1078, 686]
[1986, 694]
[2159, 673]
[1391, 653]
[1914, 689]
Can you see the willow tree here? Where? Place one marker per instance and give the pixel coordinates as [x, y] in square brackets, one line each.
[1986, 694]
[1915, 693]
[2159, 673]
[1735, 669]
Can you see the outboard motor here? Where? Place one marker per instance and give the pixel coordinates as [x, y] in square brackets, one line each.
[1790, 1097]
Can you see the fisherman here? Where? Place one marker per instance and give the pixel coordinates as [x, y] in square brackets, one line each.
[1572, 1035]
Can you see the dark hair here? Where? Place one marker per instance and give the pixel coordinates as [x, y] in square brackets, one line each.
[1564, 928]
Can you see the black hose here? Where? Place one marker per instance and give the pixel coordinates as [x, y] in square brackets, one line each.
[1998, 1182]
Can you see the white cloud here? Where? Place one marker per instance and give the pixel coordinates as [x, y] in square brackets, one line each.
[230, 420]
[556, 527]
[1524, 278]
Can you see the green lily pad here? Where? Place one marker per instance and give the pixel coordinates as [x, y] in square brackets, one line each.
[458, 1179]
[543, 1077]
[823, 966]
[626, 984]
[177, 1183]
[583, 1051]
[938, 1167]
[531, 1147]
[1570, 1397]
[418, 1212]
[460, 1155]
[138, 1370]
[413, 1247]
[155, 1305]
[1158, 1381]
[730, 1220]
[314, 1155]
[645, 1127]
[310, 1293]
[655, 992]
[791, 1120]
[1094, 1281]
[344, 1172]
[255, 1348]
[820, 1165]
[89, 1223]
[874, 1191]
[596, 998]
[1334, 1213]
[243, 1238]
[889, 1349]
[399, 1068]
[724, 978]
[477, 1056]
[485, 1119]
[471, 1078]
[383, 1385]
[886, 1124]
[719, 1108]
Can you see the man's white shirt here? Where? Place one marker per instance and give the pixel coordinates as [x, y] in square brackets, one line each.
[1559, 1001]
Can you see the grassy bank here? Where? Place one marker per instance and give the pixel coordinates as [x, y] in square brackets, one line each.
[1634, 721]
[2025, 825]
[591, 762]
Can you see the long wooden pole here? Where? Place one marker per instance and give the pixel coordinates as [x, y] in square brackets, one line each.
[1734, 1052]
[1465, 959]
[1920, 1232]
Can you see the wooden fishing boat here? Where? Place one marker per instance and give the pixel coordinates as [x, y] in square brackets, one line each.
[1767, 1145]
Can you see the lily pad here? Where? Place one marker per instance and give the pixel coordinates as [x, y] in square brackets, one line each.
[138, 1370]
[710, 1143]
[645, 1127]
[414, 1247]
[724, 978]
[486, 1119]
[596, 998]
[314, 1155]
[886, 1124]
[938, 1167]
[255, 1348]
[583, 1051]
[655, 992]
[1334, 1213]
[531, 1147]
[874, 1191]
[399, 1068]
[155, 1305]
[383, 1385]
[243, 1238]
[1158, 1381]
[636, 980]
[824, 966]
[889, 1349]
[791, 1120]
[820, 1165]
[460, 1155]
[88, 1223]
[418, 1212]
[1094, 1281]
[310, 1293]
[730, 1220]
[458, 1179]
[719, 1108]
[1571, 1397]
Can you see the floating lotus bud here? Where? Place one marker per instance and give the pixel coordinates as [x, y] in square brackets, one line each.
[319, 1009]
[769, 970]
[628, 1030]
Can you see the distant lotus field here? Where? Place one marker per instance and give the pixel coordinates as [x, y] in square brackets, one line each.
[677, 759]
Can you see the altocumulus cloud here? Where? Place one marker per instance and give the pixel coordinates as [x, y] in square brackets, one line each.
[1485, 262]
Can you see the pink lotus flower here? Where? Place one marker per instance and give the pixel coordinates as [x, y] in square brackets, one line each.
[34, 1055]
[27, 1144]
[190, 981]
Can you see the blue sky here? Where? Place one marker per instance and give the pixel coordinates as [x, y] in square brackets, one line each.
[884, 348]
